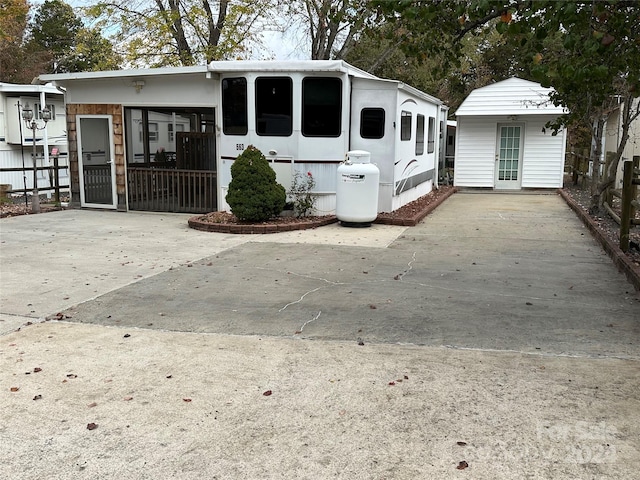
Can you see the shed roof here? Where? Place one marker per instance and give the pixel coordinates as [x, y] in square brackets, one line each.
[513, 96]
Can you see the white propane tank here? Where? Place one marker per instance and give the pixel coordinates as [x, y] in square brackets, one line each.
[357, 190]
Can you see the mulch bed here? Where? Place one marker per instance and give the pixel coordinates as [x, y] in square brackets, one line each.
[408, 215]
[606, 231]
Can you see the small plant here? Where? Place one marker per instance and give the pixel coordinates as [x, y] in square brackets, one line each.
[254, 195]
[301, 192]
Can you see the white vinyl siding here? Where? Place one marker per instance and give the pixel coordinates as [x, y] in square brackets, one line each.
[475, 152]
[543, 161]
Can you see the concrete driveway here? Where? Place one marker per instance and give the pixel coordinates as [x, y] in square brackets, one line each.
[495, 333]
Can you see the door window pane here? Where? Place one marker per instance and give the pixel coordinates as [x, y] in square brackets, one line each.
[274, 106]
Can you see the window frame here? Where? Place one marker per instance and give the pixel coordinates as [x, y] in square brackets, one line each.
[431, 139]
[420, 130]
[382, 124]
[257, 111]
[405, 125]
[242, 127]
[305, 106]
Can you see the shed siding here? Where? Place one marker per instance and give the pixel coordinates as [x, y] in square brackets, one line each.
[543, 159]
[475, 152]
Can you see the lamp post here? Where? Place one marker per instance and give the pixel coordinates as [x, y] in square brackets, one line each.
[28, 117]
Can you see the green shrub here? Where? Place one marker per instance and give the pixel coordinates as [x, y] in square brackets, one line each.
[254, 195]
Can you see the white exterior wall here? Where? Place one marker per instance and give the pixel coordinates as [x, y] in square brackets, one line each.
[476, 142]
[318, 155]
[543, 156]
[475, 152]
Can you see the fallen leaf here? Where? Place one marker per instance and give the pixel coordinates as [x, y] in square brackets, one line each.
[392, 383]
[37, 369]
[372, 307]
[92, 404]
[126, 399]
[529, 303]
[267, 393]
[92, 426]
[461, 444]
[186, 400]
[38, 397]
[15, 389]
[126, 335]
[406, 378]
[169, 376]
[72, 375]
[462, 465]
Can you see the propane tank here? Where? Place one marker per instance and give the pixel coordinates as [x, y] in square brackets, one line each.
[357, 190]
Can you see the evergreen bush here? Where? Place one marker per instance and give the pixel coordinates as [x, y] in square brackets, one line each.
[254, 195]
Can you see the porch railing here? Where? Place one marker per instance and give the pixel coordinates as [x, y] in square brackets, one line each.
[171, 190]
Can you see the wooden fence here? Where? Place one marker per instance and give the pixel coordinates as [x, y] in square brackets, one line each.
[628, 196]
[171, 190]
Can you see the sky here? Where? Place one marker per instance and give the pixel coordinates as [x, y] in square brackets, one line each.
[278, 45]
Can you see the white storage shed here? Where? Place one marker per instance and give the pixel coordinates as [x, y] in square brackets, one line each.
[502, 142]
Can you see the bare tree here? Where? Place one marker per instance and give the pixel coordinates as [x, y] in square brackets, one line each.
[183, 32]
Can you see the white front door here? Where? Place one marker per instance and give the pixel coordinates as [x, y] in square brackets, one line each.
[96, 161]
[508, 174]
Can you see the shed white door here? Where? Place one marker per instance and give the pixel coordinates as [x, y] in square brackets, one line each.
[96, 161]
[508, 175]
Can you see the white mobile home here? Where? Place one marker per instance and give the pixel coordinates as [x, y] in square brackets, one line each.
[16, 137]
[165, 139]
[501, 140]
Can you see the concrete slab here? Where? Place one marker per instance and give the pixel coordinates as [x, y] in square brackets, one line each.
[51, 262]
[495, 333]
[533, 283]
[186, 406]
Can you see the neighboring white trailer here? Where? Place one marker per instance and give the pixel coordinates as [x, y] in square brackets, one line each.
[16, 138]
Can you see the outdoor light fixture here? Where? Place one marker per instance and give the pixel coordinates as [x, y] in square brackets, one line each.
[28, 117]
[137, 84]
